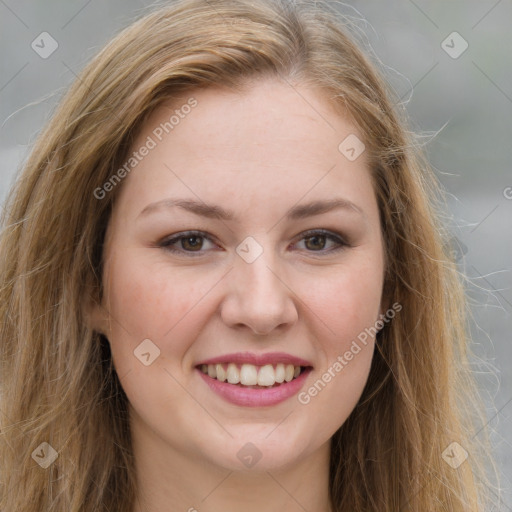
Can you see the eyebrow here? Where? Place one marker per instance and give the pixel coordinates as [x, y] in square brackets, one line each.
[218, 212]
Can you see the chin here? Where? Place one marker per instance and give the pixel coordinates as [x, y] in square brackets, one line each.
[258, 450]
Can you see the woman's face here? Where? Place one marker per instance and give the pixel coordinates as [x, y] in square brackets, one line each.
[271, 281]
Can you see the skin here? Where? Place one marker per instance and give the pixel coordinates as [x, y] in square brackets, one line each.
[258, 153]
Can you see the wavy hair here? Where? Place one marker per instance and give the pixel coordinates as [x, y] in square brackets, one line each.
[57, 378]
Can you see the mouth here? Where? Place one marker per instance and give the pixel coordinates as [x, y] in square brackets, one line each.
[253, 376]
[255, 380]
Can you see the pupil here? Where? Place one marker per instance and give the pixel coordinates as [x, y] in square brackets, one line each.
[316, 238]
[187, 241]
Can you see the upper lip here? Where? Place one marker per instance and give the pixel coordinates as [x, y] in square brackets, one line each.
[257, 359]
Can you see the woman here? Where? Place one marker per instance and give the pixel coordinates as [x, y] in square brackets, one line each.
[224, 283]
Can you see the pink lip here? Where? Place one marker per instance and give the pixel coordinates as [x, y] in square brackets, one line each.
[257, 359]
[253, 397]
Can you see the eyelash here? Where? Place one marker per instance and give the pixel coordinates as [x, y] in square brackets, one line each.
[167, 243]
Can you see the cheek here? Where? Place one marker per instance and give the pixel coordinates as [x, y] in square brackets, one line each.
[152, 301]
[347, 302]
[347, 307]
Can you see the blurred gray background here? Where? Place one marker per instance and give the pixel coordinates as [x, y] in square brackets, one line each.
[459, 98]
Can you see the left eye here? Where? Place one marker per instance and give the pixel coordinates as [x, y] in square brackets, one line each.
[314, 239]
[193, 242]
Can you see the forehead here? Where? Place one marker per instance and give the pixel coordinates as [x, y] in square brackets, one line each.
[270, 142]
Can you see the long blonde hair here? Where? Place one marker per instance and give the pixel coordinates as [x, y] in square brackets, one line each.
[58, 383]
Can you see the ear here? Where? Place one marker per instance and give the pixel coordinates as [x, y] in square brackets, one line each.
[95, 314]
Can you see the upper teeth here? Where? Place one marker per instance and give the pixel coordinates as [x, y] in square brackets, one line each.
[251, 375]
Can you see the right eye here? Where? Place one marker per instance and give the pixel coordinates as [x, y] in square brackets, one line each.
[186, 242]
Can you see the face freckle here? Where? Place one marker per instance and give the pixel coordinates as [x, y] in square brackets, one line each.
[258, 155]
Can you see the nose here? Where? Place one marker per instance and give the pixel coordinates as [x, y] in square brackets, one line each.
[258, 297]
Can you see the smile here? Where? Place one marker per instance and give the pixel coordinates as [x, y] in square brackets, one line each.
[251, 375]
[254, 380]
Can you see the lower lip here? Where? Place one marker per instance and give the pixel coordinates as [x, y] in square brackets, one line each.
[253, 397]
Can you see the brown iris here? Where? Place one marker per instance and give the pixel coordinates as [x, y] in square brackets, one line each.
[315, 239]
[192, 243]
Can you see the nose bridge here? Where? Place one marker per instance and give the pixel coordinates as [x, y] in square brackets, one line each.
[259, 277]
[258, 297]
[254, 261]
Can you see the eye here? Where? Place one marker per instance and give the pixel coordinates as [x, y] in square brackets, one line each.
[192, 243]
[187, 242]
[317, 240]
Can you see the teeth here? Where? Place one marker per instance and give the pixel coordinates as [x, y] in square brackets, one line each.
[266, 376]
[288, 372]
[221, 373]
[248, 375]
[280, 373]
[251, 375]
[233, 374]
